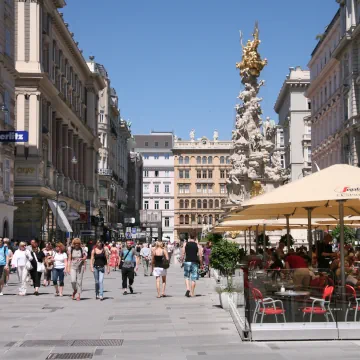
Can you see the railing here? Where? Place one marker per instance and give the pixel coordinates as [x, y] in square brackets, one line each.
[306, 136]
[106, 172]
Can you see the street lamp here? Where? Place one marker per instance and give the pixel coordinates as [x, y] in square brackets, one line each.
[58, 192]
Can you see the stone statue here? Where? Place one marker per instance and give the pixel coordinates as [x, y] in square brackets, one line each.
[192, 135]
[175, 138]
[216, 135]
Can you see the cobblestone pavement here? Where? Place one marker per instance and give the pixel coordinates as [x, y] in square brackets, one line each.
[137, 326]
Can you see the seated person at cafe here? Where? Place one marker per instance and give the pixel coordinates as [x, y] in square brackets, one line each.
[325, 252]
[275, 266]
[280, 250]
[301, 276]
[350, 276]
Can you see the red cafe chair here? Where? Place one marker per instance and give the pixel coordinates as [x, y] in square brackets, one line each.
[353, 301]
[324, 305]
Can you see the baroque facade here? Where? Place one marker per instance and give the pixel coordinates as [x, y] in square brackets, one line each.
[200, 190]
[7, 116]
[56, 102]
[294, 109]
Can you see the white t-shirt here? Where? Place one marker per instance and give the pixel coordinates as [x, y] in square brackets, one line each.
[59, 260]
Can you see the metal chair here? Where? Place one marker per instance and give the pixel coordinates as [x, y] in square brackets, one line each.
[324, 305]
[353, 301]
[266, 306]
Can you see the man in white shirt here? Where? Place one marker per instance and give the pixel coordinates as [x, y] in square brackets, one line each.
[145, 254]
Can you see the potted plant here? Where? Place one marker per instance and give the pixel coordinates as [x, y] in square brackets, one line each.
[224, 257]
[283, 240]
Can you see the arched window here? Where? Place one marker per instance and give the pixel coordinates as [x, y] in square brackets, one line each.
[217, 205]
[210, 219]
[228, 159]
[199, 204]
[198, 160]
[187, 219]
[222, 202]
[181, 160]
[210, 160]
[181, 204]
[216, 218]
[211, 204]
[199, 220]
[222, 159]
[205, 219]
[205, 204]
[204, 160]
[193, 204]
[192, 218]
[187, 204]
[187, 160]
[181, 219]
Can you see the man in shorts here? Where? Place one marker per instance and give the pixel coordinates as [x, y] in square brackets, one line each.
[193, 258]
[4, 261]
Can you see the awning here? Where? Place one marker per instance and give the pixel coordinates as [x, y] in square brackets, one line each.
[62, 221]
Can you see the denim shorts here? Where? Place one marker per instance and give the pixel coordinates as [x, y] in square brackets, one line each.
[191, 270]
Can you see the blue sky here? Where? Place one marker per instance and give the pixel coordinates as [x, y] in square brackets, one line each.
[172, 62]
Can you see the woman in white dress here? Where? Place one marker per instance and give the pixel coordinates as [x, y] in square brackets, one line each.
[159, 254]
[21, 260]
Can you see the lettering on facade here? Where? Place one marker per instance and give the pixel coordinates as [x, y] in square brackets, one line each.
[25, 170]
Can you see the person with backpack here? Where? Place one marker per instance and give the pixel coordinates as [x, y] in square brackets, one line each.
[76, 260]
[129, 263]
[4, 260]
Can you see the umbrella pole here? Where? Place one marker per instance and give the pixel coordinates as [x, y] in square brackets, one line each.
[288, 232]
[342, 255]
[250, 237]
[257, 240]
[264, 243]
[309, 211]
[245, 240]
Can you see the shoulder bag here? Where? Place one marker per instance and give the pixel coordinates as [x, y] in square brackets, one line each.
[40, 266]
[165, 263]
[123, 259]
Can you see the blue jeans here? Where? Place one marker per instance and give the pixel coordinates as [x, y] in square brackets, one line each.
[99, 280]
[58, 274]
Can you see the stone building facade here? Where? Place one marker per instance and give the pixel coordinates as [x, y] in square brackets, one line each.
[294, 108]
[201, 167]
[7, 116]
[57, 103]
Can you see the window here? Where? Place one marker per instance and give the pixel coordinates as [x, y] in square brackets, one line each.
[167, 205]
[210, 188]
[187, 160]
[187, 189]
[8, 106]
[222, 202]
[181, 174]
[181, 160]
[156, 188]
[166, 144]
[309, 155]
[146, 143]
[199, 204]
[217, 204]
[204, 160]
[198, 160]
[222, 159]
[167, 222]
[167, 156]
[181, 219]
[167, 188]
[204, 187]
[146, 188]
[156, 204]
[101, 116]
[187, 204]
[6, 181]
[167, 173]
[187, 174]
[210, 219]
[228, 160]
[156, 156]
[146, 204]
[222, 174]
[146, 173]
[198, 188]
[8, 42]
[210, 174]
[210, 159]
[204, 174]
[211, 204]
[187, 219]
[181, 204]
[199, 220]
[222, 189]
[198, 174]
[156, 173]
[156, 144]
[181, 189]
[205, 204]
[205, 219]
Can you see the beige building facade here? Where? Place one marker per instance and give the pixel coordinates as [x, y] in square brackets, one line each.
[201, 167]
[7, 116]
[57, 103]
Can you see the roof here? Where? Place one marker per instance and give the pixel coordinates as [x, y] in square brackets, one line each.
[151, 139]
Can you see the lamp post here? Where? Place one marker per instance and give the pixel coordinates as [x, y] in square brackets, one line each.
[74, 162]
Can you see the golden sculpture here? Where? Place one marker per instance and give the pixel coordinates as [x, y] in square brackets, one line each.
[234, 234]
[256, 189]
[251, 61]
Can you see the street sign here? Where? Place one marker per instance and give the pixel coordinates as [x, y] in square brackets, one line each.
[128, 235]
[87, 232]
[129, 220]
[14, 136]
[133, 230]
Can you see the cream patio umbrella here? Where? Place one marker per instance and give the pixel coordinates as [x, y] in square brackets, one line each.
[332, 192]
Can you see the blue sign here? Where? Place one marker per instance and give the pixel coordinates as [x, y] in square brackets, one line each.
[128, 235]
[133, 231]
[14, 136]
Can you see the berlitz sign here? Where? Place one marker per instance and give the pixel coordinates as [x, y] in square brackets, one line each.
[14, 136]
[348, 191]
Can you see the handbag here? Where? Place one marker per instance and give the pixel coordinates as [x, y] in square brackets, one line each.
[40, 266]
[28, 265]
[123, 260]
[165, 263]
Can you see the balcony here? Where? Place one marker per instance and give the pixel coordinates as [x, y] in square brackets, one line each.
[306, 137]
[105, 172]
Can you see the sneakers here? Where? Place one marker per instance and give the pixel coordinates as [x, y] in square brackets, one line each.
[101, 298]
[131, 289]
[187, 294]
[1, 294]
[125, 292]
[97, 296]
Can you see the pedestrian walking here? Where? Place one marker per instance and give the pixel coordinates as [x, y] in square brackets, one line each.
[4, 260]
[76, 261]
[159, 264]
[207, 254]
[99, 261]
[170, 249]
[129, 264]
[114, 257]
[193, 257]
[37, 265]
[145, 255]
[21, 261]
[10, 256]
[48, 262]
[60, 266]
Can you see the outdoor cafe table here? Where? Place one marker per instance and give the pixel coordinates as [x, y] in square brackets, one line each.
[291, 294]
